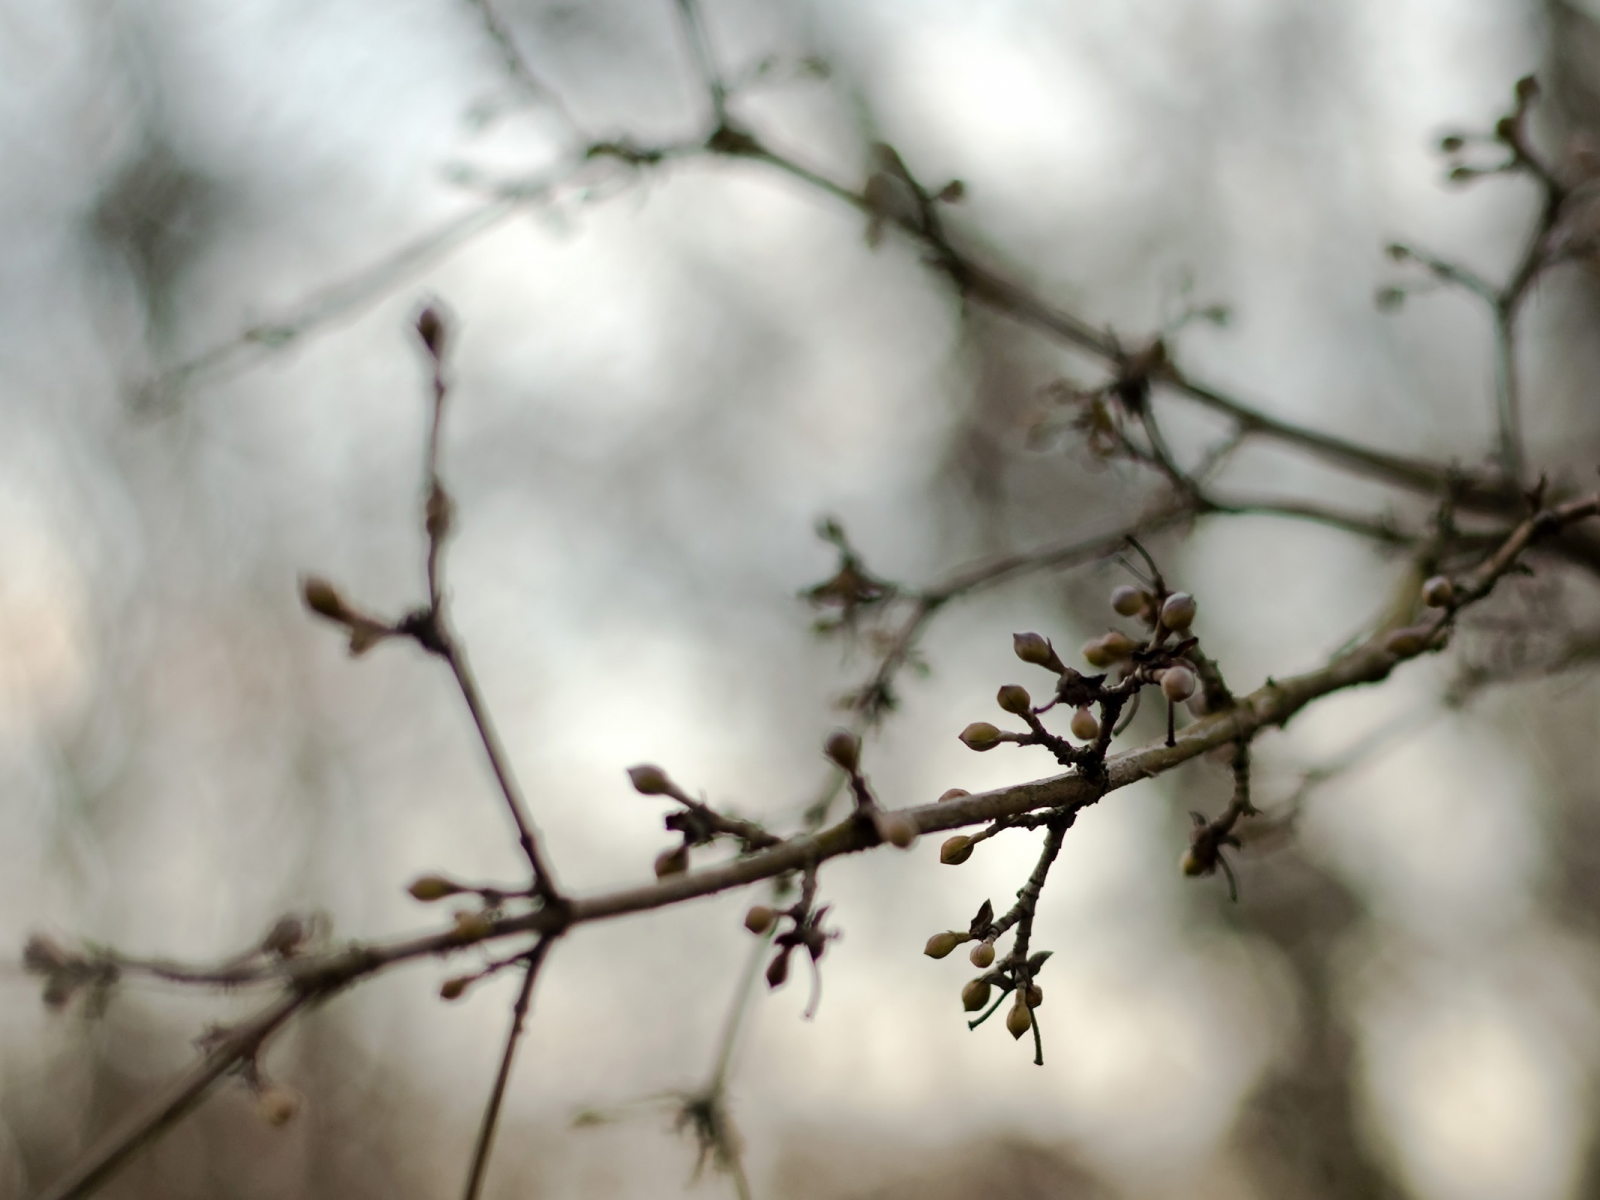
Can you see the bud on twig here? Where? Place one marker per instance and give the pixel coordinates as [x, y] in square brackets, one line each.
[982, 955]
[896, 828]
[940, 945]
[954, 794]
[430, 328]
[323, 598]
[1177, 613]
[844, 748]
[759, 919]
[1034, 648]
[1018, 1021]
[674, 861]
[956, 850]
[433, 887]
[1014, 699]
[980, 736]
[1177, 684]
[1084, 727]
[1438, 592]
[649, 780]
[975, 995]
[1127, 601]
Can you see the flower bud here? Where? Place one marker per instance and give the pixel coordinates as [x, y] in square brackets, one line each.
[778, 968]
[980, 736]
[982, 955]
[896, 828]
[277, 1105]
[1018, 1020]
[1084, 727]
[1406, 643]
[433, 887]
[430, 328]
[1127, 601]
[975, 995]
[1438, 592]
[1113, 647]
[472, 926]
[759, 919]
[323, 598]
[1189, 863]
[954, 794]
[844, 748]
[674, 861]
[1035, 995]
[1014, 699]
[1032, 648]
[956, 850]
[1096, 653]
[454, 989]
[1527, 89]
[940, 945]
[1177, 684]
[649, 780]
[1177, 613]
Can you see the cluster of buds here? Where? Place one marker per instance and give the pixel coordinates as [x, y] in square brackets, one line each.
[1013, 975]
[843, 749]
[66, 973]
[804, 931]
[1161, 658]
[696, 821]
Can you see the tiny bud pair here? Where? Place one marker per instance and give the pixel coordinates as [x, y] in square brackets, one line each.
[1106, 651]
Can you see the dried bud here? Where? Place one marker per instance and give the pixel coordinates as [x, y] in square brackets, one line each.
[896, 828]
[433, 887]
[430, 328]
[778, 968]
[1178, 612]
[649, 780]
[1014, 699]
[759, 919]
[1033, 648]
[1018, 1020]
[1127, 601]
[277, 1105]
[956, 850]
[975, 995]
[954, 794]
[982, 955]
[1407, 643]
[940, 945]
[844, 748]
[1438, 592]
[454, 989]
[1177, 684]
[980, 736]
[323, 598]
[674, 861]
[1084, 727]
[287, 934]
[43, 955]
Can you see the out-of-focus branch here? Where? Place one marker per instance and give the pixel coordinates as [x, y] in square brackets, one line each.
[497, 1095]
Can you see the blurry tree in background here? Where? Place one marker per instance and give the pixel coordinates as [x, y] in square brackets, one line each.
[1057, 310]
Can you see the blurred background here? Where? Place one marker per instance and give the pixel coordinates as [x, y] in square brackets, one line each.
[220, 221]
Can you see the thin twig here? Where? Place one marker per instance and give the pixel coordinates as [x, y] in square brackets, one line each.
[491, 1112]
